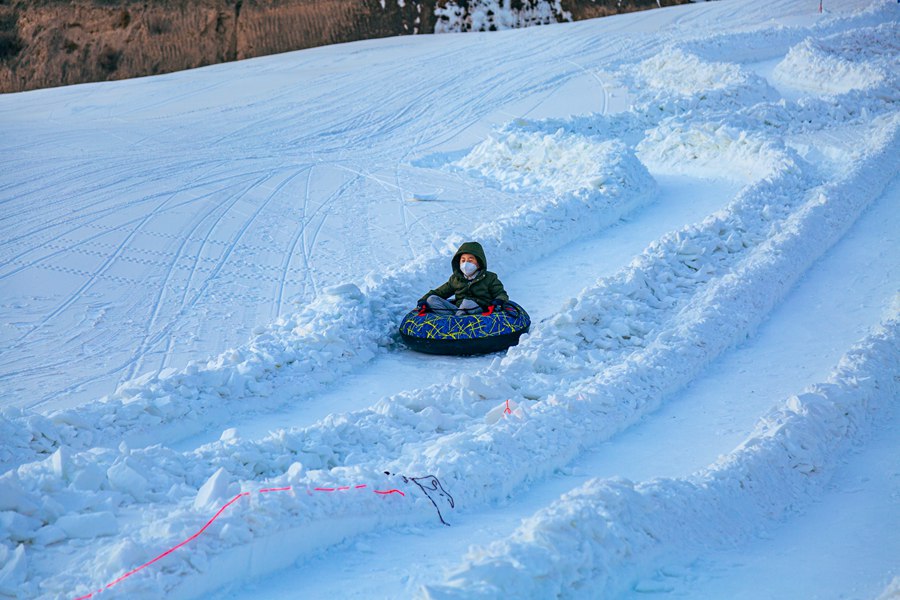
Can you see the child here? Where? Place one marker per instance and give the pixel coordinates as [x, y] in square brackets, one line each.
[474, 287]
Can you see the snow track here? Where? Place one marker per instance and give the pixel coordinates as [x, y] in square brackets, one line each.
[598, 361]
[595, 538]
[712, 416]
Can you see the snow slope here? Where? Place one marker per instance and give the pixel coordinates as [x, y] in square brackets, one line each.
[202, 274]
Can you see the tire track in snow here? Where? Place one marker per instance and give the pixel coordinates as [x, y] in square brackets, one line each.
[292, 246]
[174, 99]
[188, 301]
[104, 213]
[107, 263]
[148, 340]
[280, 282]
[301, 238]
[311, 241]
[86, 211]
[109, 260]
[151, 340]
[308, 243]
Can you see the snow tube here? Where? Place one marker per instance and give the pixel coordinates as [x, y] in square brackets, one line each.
[490, 331]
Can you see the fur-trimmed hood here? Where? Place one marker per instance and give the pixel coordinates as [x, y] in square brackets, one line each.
[473, 248]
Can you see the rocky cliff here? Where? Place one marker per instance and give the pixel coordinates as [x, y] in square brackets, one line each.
[47, 43]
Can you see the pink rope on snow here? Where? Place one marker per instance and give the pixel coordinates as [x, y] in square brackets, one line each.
[210, 522]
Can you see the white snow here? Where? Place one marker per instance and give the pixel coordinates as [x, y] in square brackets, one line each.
[493, 15]
[202, 392]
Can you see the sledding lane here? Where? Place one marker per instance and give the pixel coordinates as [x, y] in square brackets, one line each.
[798, 345]
[543, 286]
[821, 329]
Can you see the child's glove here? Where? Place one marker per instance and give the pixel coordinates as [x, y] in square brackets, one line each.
[498, 304]
[422, 307]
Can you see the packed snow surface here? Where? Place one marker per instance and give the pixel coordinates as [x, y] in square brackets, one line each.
[202, 389]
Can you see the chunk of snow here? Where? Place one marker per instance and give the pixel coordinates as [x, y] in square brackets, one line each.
[126, 480]
[89, 525]
[346, 290]
[214, 492]
[14, 570]
[90, 479]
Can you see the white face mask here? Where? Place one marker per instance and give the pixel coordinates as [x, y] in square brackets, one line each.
[468, 268]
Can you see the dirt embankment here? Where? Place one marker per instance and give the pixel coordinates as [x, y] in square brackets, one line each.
[48, 43]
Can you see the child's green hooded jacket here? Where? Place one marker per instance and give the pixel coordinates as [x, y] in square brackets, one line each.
[484, 288]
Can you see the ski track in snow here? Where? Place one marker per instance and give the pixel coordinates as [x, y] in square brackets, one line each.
[596, 364]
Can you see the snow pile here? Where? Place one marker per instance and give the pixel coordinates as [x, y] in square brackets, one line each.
[765, 42]
[726, 131]
[677, 72]
[689, 116]
[26, 434]
[592, 192]
[332, 332]
[101, 493]
[564, 161]
[862, 48]
[492, 15]
[606, 534]
[675, 81]
[14, 570]
[859, 59]
[710, 149]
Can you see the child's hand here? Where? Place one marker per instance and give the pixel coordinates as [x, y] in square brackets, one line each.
[498, 304]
